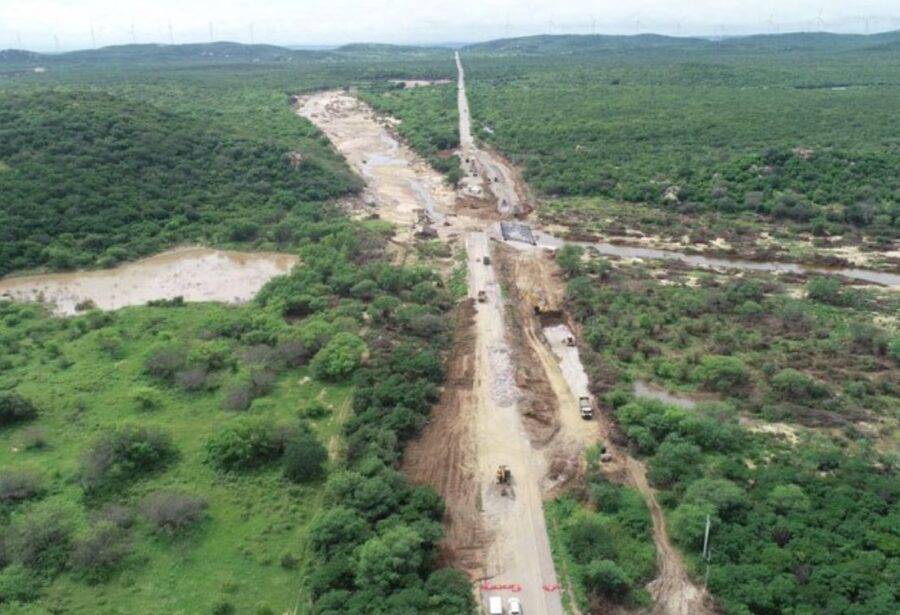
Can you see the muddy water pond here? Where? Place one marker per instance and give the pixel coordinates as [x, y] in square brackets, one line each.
[195, 273]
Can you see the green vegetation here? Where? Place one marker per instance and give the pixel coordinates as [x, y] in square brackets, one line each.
[139, 178]
[194, 458]
[429, 122]
[104, 160]
[803, 523]
[781, 353]
[790, 128]
[110, 504]
[603, 542]
[806, 528]
[178, 437]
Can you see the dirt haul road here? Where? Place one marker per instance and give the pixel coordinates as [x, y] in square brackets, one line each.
[518, 559]
[499, 176]
[398, 182]
[534, 283]
[477, 425]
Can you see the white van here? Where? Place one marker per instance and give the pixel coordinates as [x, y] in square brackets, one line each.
[495, 605]
[515, 606]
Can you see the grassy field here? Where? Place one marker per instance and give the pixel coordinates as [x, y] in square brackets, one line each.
[251, 548]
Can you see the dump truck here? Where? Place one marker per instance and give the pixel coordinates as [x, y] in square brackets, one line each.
[585, 407]
[482, 296]
[486, 260]
[503, 475]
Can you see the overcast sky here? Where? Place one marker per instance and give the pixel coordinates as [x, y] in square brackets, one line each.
[46, 25]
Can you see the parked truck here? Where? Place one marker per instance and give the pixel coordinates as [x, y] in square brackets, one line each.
[586, 408]
[495, 605]
[482, 296]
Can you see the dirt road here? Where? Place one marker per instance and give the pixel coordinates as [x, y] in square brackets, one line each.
[399, 184]
[534, 283]
[518, 559]
[497, 533]
[482, 166]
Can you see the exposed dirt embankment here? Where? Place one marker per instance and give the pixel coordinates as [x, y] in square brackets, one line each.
[539, 405]
[443, 454]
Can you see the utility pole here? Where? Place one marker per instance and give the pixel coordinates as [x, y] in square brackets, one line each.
[251, 33]
[93, 38]
[210, 32]
[133, 36]
[56, 42]
[706, 550]
[19, 39]
[171, 34]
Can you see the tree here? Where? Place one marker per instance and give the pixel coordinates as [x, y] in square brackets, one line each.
[390, 561]
[725, 497]
[339, 358]
[788, 499]
[172, 512]
[245, 443]
[96, 556]
[688, 523]
[124, 454]
[605, 578]
[721, 374]
[588, 538]
[304, 457]
[569, 259]
[340, 530]
[14, 409]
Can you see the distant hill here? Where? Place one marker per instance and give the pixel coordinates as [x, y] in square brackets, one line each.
[18, 56]
[580, 43]
[588, 43]
[382, 48]
[202, 52]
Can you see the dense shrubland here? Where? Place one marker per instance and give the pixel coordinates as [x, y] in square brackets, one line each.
[820, 355]
[802, 523]
[704, 130]
[602, 539]
[803, 528]
[92, 179]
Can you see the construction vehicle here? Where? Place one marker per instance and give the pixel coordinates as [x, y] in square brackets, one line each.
[586, 408]
[482, 296]
[503, 475]
[486, 260]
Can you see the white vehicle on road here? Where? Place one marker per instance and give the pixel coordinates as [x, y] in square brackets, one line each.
[515, 606]
[495, 605]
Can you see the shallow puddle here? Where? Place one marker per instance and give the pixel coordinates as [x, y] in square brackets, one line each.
[196, 274]
[642, 388]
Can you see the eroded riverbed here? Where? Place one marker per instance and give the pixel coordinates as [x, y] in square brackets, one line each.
[195, 273]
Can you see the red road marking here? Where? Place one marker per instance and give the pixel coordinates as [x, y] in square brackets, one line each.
[513, 587]
[555, 587]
